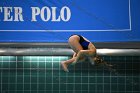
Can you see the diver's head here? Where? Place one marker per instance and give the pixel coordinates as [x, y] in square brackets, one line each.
[98, 60]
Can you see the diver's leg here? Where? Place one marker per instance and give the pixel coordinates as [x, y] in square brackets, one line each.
[74, 43]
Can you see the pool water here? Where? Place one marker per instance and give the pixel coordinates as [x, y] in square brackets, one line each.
[43, 74]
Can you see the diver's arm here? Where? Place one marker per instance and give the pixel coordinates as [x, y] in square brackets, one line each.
[74, 55]
[84, 53]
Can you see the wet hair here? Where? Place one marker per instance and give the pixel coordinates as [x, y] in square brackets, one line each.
[99, 61]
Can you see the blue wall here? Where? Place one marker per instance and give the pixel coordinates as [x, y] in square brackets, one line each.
[98, 20]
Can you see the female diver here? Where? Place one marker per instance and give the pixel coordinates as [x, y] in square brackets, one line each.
[83, 50]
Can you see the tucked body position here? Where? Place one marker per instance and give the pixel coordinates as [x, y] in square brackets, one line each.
[83, 50]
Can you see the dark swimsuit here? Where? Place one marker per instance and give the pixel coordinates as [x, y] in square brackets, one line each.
[83, 42]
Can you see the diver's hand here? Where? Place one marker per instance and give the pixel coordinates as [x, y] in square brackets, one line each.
[78, 61]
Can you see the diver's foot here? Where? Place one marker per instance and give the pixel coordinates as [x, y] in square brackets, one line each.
[64, 66]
